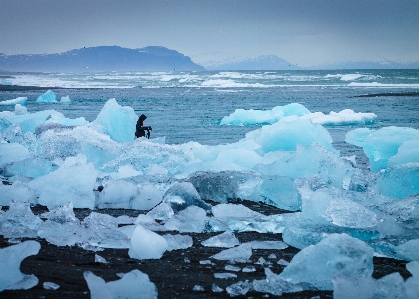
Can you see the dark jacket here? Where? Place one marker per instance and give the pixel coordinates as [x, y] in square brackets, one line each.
[140, 128]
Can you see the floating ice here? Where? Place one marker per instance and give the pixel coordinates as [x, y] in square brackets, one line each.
[383, 144]
[116, 121]
[20, 110]
[19, 100]
[252, 117]
[344, 117]
[146, 244]
[337, 254]
[134, 284]
[10, 258]
[65, 99]
[226, 240]
[176, 242]
[47, 97]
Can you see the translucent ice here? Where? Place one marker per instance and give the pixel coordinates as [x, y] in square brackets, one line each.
[74, 183]
[47, 97]
[116, 121]
[100, 259]
[240, 254]
[182, 195]
[117, 194]
[239, 288]
[50, 286]
[146, 244]
[337, 254]
[275, 285]
[10, 259]
[134, 284]
[12, 152]
[383, 144]
[253, 117]
[65, 99]
[226, 240]
[19, 221]
[18, 191]
[18, 100]
[225, 275]
[190, 220]
[176, 242]
[344, 117]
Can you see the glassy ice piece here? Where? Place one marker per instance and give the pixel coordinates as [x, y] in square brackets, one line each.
[226, 240]
[117, 194]
[10, 259]
[248, 269]
[240, 254]
[227, 185]
[19, 221]
[146, 244]
[50, 286]
[100, 221]
[134, 284]
[273, 284]
[162, 211]
[176, 242]
[61, 214]
[148, 196]
[18, 191]
[280, 191]
[12, 152]
[277, 245]
[17, 101]
[239, 288]
[412, 283]
[149, 223]
[62, 234]
[99, 259]
[205, 262]
[335, 255]
[216, 289]
[65, 99]
[232, 268]
[198, 288]
[225, 275]
[190, 220]
[182, 195]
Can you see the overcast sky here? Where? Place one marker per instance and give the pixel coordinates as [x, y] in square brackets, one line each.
[307, 33]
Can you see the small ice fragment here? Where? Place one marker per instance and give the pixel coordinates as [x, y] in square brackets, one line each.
[225, 275]
[205, 262]
[226, 239]
[248, 269]
[99, 259]
[186, 260]
[283, 262]
[216, 289]
[50, 286]
[239, 288]
[176, 242]
[232, 268]
[198, 288]
[272, 256]
[262, 261]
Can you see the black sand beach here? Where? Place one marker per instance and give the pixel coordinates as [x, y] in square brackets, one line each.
[173, 277]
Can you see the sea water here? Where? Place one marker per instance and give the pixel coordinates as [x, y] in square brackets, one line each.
[188, 106]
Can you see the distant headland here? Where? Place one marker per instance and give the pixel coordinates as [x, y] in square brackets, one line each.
[98, 59]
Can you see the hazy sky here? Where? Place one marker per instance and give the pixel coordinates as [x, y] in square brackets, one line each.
[307, 33]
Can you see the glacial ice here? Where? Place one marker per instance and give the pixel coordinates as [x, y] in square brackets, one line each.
[47, 97]
[16, 101]
[178, 241]
[337, 254]
[146, 244]
[240, 254]
[134, 284]
[226, 240]
[65, 99]
[19, 221]
[10, 258]
[190, 220]
[18, 191]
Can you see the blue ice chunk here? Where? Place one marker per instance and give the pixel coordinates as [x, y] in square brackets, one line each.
[47, 97]
[18, 100]
[253, 117]
[383, 144]
[182, 195]
[116, 121]
[337, 254]
[10, 258]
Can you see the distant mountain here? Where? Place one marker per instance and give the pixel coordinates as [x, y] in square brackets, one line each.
[104, 58]
[387, 64]
[266, 63]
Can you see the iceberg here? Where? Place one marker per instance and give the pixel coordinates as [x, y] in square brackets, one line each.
[47, 97]
[18, 101]
[10, 258]
[65, 99]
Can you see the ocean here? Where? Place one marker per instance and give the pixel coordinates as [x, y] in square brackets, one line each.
[188, 106]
